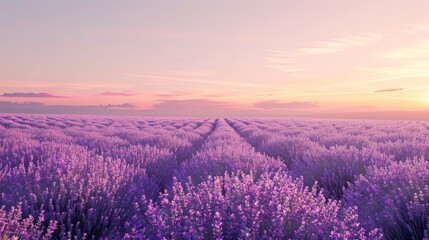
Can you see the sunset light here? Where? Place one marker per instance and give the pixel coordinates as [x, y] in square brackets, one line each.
[343, 56]
[214, 120]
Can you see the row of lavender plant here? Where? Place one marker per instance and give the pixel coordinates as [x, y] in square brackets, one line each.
[390, 193]
[80, 181]
[98, 177]
[398, 139]
[225, 151]
[234, 192]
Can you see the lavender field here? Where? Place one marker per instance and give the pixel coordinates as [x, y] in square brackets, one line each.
[65, 177]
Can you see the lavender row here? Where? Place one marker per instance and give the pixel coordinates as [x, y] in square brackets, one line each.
[83, 179]
[114, 178]
[234, 192]
[377, 167]
[225, 151]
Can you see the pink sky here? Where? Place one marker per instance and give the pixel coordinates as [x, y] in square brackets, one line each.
[197, 58]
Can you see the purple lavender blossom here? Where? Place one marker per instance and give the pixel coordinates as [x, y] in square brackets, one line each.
[79, 177]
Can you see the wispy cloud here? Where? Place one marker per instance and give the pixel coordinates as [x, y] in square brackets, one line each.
[117, 94]
[172, 94]
[414, 69]
[287, 60]
[340, 44]
[286, 105]
[389, 90]
[417, 50]
[284, 61]
[410, 61]
[417, 27]
[168, 79]
[31, 95]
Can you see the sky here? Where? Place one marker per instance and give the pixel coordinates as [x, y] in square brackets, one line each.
[216, 58]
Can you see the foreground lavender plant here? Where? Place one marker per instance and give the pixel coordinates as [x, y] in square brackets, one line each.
[239, 207]
[335, 168]
[395, 198]
[13, 226]
[101, 178]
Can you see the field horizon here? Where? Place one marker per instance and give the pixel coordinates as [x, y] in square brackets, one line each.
[212, 178]
[382, 116]
[213, 120]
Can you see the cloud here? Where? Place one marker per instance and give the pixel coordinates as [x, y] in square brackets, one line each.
[417, 50]
[194, 107]
[171, 108]
[286, 105]
[286, 60]
[340, 44]
[171, 94]
[166, 80]
[41, 108]
[83, 85]
[414, 69]
[168, 108]
[389, 90]
[125, 105]
[417, 28]
[206, 107]
[31, 95]
[117, 94]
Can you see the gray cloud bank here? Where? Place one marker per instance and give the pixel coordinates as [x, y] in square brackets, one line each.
[206, 108]
[185, 108]
[30, 95]
[36, 107]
